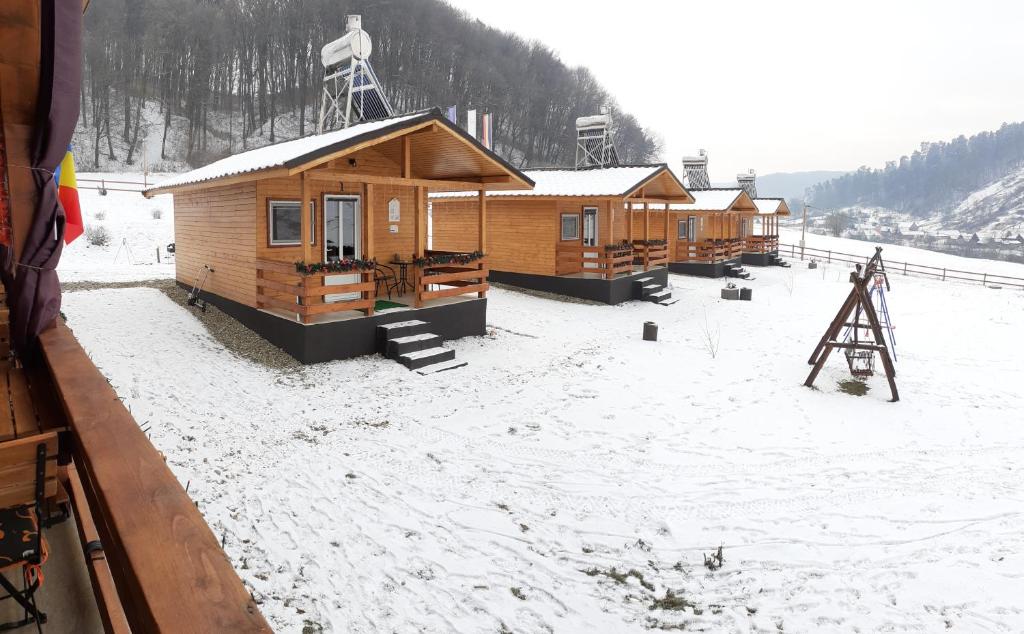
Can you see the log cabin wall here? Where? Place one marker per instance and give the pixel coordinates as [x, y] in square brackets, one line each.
[217, 226]
[455, 225]
[19, 85]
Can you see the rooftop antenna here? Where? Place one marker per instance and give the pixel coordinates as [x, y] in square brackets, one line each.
[696, 168]
[594, 144]
[352, 92]
[747, 182]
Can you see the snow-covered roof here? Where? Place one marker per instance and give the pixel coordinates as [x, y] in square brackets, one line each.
[603, 181]
[767, 206]
[710, 200]
[281, 154]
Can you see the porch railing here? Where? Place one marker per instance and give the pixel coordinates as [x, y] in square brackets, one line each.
[649, 255]
[305, 295]
[159, 561]
[449, 280]
[762, 244]
[571, 259]
[709, 251]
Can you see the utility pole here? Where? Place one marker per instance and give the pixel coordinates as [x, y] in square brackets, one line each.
[803, 233]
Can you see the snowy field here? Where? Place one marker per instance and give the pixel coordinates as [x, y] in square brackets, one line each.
[356, 496]
[135, 234]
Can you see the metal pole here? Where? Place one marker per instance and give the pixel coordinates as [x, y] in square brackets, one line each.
[803, 233]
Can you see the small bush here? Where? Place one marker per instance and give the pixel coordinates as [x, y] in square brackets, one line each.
[156, 213]
[100, 215]
[97, 235]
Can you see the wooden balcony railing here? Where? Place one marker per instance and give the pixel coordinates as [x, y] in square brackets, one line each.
[650, 255]
[709, 251]
[449, 280]
[571, 259]
[762, 244]
[168, 570]
[305, 295]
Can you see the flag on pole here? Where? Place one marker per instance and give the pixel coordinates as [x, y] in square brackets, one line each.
[452, 114]
[471, 123]
[67, 193]
[486, 131]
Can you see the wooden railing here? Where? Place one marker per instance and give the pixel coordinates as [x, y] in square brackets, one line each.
[167, 566]
[456, 279]
[305, 295]
[571, 259]
[650, 255]
[762, 244]
[709, 251]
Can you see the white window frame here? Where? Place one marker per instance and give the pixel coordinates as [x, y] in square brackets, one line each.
[312, 222]
[597, 229]
[561, 226]
[683, 229]
[270, 224]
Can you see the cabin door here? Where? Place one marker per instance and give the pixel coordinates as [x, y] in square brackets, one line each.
[590, 235]
[342, 240]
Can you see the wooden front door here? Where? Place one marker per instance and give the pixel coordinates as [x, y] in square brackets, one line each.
[342, 240]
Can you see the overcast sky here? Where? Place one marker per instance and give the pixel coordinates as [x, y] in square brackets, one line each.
[790, 85]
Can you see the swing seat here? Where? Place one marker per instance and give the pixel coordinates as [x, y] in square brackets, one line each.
[861, 362]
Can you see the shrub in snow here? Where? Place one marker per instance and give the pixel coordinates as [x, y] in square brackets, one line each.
[100, 215]
[97, 235]
[156, 213]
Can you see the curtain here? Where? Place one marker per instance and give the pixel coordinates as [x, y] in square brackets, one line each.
[35, 297]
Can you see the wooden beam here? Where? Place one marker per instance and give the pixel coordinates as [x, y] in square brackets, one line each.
[611, 222]
[336, 175]
[482, 239]
[167, 563]
[420, 216]
[278, 172]
[406, 157]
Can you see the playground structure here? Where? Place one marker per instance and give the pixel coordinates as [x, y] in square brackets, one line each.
[858, 338]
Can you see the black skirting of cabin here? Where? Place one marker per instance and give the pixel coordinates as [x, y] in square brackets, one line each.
[614, 291]
[349, 338]
[757, 259]
[703, 269]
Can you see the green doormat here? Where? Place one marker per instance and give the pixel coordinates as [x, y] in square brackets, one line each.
[383, 304]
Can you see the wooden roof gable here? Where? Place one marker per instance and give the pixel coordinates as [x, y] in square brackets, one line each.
[663, 185]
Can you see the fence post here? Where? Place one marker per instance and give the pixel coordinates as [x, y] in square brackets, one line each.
[830, 256]
[158, 255]
[904, 268]
[984, 279]
[943, 275]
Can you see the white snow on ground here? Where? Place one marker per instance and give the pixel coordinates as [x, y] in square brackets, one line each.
[897, 253]
[361, 497]
[135, 235]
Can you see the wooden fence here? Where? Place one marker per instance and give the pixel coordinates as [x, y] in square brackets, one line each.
[903, 268]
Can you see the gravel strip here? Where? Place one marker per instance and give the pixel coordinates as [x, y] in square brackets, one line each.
[222, 327]
[546, 295]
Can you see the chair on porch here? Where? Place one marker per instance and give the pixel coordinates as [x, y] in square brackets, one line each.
[32, 468]
[384, 274]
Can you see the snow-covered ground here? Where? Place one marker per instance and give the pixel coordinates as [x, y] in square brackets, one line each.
[136, 233]
[359, 497]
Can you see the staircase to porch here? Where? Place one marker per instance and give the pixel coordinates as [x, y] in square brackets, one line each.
[737, 271]
[413, 345]
[775, 260]
[648, 290]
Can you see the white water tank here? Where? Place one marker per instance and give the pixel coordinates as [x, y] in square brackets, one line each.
[594, 121]
[355, 44]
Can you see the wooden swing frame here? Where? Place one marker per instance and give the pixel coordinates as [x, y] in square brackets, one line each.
[857, 302]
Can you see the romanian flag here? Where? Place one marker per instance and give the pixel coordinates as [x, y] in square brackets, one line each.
[67, 192]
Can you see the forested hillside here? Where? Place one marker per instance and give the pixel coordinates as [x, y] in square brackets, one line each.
[203, 78]
[934, 179]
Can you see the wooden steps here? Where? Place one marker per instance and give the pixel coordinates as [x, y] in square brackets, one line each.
[413, 345]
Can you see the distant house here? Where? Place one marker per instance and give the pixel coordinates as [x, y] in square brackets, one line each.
[299, 234]
[592, 232]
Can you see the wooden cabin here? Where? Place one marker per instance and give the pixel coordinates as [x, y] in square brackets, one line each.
[591, 232]
[314, 243]
[762, 244]
[710, 232]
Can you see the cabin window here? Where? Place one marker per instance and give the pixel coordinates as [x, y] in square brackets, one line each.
[285, 222]
[570, 227]
[687, 229]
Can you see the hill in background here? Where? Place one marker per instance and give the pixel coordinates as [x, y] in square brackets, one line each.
[194, 80]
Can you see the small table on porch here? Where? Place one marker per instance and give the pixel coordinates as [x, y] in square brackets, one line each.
[403, 274]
